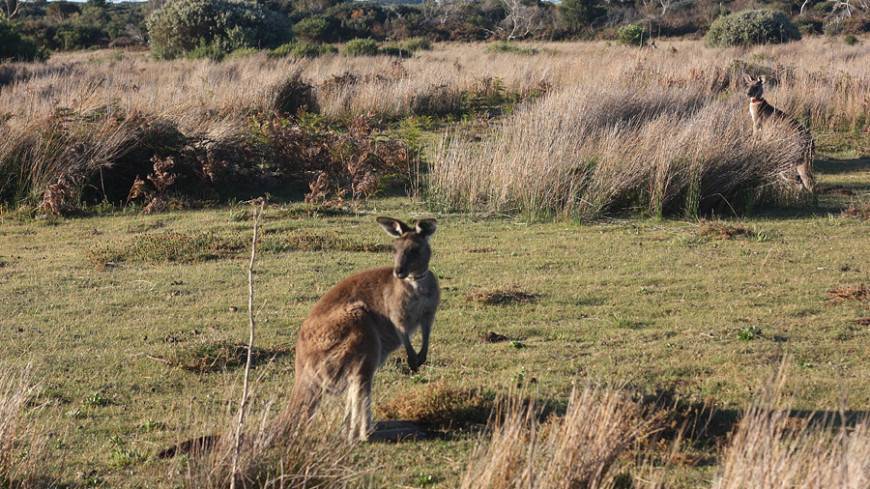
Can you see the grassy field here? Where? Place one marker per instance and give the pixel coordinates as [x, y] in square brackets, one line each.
[107, 322]
[553, 273]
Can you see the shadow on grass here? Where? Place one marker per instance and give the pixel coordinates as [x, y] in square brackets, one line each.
[834, 166]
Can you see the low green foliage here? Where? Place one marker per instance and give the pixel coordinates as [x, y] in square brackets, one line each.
[361, 47]
[213, 26]
[511, 47]
[15, 46]
[748, 27]
[302, 49]
[632, 35]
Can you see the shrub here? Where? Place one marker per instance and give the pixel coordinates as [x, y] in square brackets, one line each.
[850, 40]
[361, 47]
[315, 29]
[181, 26]
[303, 50]
[510, 47]
[632, 35]
[416, 44]
[14, 46]
[750, 27]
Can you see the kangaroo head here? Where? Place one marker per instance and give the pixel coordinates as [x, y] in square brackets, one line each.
[412, 245]
[755, 85]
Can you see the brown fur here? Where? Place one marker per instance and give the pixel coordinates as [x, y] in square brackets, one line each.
[356, 325]
[760, 111]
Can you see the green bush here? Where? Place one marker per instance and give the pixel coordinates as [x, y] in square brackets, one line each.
[361, 47]
[215, 26]
[14, 46]
[632, 35]
[315, 29]
[416, 44]
[303, 50]
[511, 47]
[750, 27]
[850, 40]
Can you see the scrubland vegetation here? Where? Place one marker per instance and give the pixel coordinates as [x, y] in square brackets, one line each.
[624, 269]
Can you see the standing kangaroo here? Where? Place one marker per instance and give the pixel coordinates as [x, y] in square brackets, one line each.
[760, 111]
[359, 322]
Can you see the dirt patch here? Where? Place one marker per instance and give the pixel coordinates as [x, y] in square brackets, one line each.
[439, 405]
[849, 293]
[321, 241]
[220, 356]
[493, 297]
[481, 250]
[863, 321]
[857, 211]
[718, 230]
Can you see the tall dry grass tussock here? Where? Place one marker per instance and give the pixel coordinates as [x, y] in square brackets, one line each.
[773, 450]
[276, 452]
[579, 449]
[23, 451]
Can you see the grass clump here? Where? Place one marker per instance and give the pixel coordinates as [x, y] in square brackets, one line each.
[773, 450]
[439, 405]
[500, 297]
[579, 449]
[857, 211]
[361, 47]
[511, 48]
[169, 246]
[23, 454]
[749, 27]
[302, 49]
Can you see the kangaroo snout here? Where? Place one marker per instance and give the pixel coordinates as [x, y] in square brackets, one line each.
[399, 273]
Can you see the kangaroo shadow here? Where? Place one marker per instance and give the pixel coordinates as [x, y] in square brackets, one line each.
[836, 166]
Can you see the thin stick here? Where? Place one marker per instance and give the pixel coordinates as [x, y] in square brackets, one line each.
[258, 211]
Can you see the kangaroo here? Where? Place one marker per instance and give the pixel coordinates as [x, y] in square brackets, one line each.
[354, 327]
[760, 111]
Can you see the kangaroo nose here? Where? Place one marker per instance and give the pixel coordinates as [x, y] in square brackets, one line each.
[399, 273]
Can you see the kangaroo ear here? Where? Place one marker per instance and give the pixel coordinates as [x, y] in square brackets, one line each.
[763, 79]
[426, 227]
[394, 227]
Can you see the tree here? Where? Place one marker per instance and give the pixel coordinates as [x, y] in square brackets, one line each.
[577, 14]
[10, 8]
[522, 19]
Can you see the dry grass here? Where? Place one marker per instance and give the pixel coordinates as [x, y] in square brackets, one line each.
[23, 454]
[220, 356]
[439, 405]
[771, 450]
[579, 449]
[276, 452]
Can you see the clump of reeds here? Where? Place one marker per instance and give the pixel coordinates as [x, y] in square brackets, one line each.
[773, 450]
[584, 153]
[579, 449]
[23, 453]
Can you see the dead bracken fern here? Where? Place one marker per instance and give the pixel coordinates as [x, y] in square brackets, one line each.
[439, 405]
[849, 293]
[577, 450]
[502, 296]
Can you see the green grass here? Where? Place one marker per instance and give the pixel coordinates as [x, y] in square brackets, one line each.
[647, 303]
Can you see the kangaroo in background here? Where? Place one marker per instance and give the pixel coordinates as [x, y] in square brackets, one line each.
[760, 111]
[354, 327]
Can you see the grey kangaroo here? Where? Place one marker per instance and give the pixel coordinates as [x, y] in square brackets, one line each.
[354, 327]
[760, 111]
